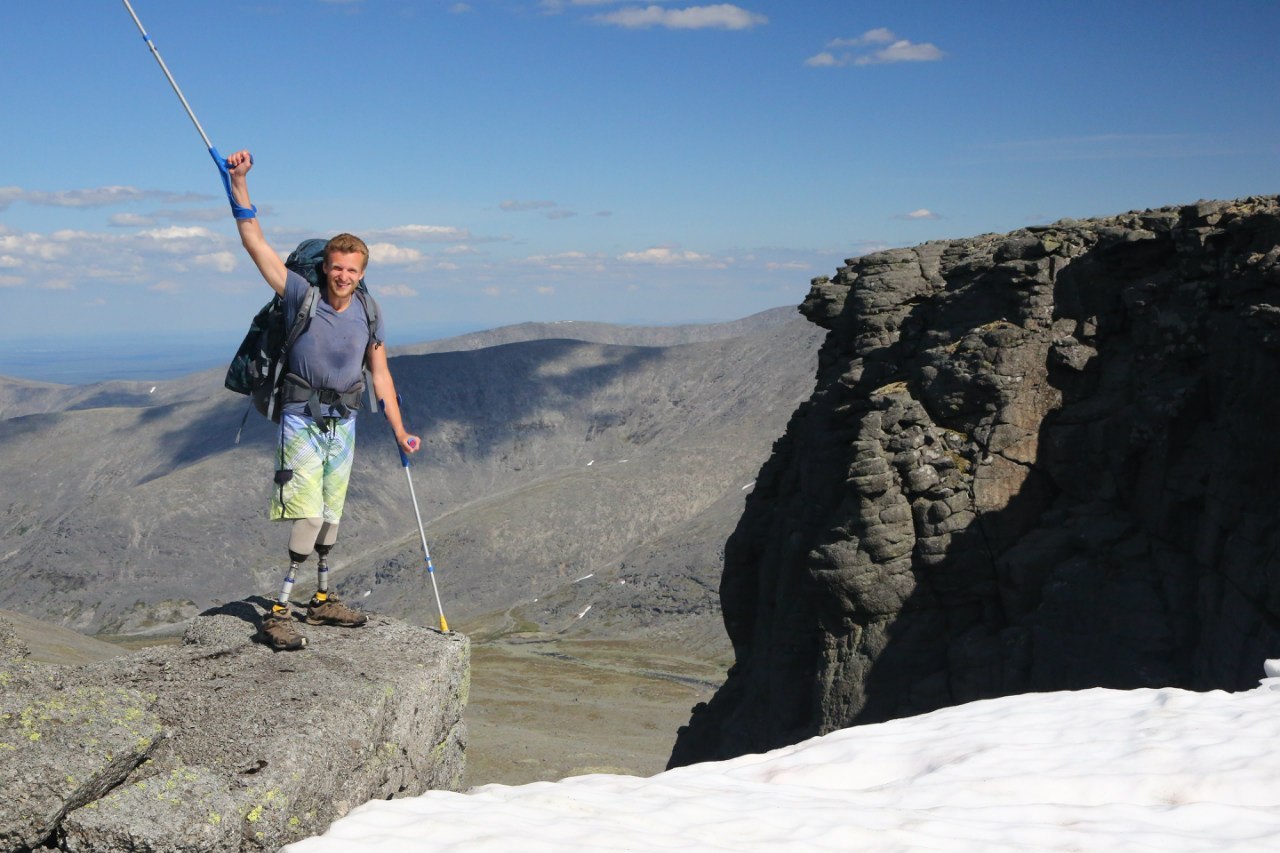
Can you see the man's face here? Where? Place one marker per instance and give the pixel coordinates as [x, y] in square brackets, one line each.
[344, 270]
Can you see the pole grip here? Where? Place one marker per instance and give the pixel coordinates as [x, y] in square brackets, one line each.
[236, 210]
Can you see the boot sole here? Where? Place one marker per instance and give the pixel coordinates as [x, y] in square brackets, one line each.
[335, 623]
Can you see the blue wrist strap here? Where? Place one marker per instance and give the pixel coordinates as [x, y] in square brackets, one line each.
[236, 210]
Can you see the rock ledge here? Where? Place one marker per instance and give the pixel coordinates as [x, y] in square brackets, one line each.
[221, 744]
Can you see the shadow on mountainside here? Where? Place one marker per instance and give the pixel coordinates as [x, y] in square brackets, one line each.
[514, 385]
[511, 386]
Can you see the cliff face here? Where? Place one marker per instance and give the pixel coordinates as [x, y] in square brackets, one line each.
[1037, 461]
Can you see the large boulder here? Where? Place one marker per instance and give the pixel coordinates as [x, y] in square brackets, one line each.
[1035, 461]
[63, 745]
[221, 744]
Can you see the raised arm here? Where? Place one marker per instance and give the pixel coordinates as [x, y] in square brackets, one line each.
[251, 236]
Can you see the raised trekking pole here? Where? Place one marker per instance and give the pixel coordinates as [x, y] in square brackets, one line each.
[422, 534]
[238, 211]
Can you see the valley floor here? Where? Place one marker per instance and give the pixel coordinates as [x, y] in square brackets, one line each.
[542, 709]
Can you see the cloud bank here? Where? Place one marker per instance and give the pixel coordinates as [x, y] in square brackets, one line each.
[722, 16]
[879, 46]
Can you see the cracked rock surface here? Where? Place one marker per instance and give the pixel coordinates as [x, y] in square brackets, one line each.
[1035, 461]
[221, 744]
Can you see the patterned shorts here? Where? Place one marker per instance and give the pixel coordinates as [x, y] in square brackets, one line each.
[313, 467]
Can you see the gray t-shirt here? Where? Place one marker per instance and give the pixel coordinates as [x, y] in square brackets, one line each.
[330, 353]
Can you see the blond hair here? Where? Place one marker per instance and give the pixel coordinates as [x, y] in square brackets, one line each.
[346, 244]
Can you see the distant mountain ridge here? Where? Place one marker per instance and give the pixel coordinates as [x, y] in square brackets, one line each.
[24, 397]
[606, 333]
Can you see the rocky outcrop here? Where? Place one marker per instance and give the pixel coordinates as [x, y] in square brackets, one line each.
[221, 744]
[1037, 461]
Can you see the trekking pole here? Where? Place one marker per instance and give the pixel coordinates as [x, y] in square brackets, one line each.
[238, 211]
[422, 534]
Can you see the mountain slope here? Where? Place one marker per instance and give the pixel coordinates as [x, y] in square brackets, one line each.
[124, 509]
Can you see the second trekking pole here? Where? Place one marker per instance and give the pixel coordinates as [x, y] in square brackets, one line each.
[422, 533]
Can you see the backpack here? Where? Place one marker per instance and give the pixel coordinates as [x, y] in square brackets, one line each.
[258, 367]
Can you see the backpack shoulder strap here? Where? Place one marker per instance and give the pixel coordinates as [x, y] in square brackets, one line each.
[371, 315]
[306, 311]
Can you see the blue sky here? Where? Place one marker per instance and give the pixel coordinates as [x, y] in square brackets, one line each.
[565, 159]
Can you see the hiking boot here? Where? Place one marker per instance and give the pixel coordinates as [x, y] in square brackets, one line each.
[330, 610]
[279, 631]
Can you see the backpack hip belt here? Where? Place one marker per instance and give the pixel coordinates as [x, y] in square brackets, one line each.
[296, 390]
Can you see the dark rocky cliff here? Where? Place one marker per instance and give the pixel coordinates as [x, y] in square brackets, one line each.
[1037, 461]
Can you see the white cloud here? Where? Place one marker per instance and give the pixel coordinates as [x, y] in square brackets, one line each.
[422, 234]
[723, 16]
[545, 290]
[173, 232]
[223, 261]
[823, 60]
[903, 51]
[894, 50]
[96, 196]
[880, 35]
[32, 247]
[922, 213]
[165, 287]
[174, 240]
[65, 258]
[142, 220]
[393, 255]
[561, 214]
[8, 195]
[571, 262]
[557, 258]
[11, 281]
[667, 256]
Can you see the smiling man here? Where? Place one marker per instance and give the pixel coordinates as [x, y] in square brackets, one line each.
[323, 387]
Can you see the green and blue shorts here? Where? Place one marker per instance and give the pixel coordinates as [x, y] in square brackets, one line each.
[313, 467]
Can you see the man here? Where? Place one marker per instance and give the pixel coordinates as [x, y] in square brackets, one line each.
[317, 424]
